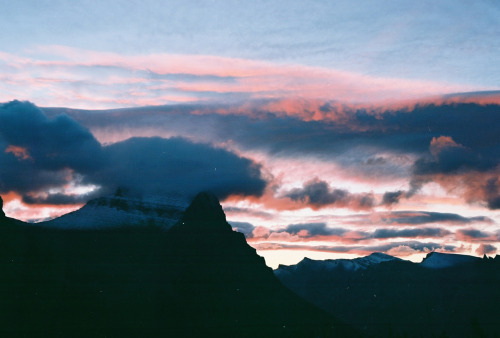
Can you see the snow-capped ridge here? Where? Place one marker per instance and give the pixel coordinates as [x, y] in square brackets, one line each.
[118, 210]
[437, 260]
[346, 264]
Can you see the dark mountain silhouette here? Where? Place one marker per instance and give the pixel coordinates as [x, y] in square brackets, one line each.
[198, 278]
[444, 296]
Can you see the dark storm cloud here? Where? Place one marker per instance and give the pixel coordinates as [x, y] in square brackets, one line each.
[39, 156]
[318, 194]
[157, 165]
[37, 152]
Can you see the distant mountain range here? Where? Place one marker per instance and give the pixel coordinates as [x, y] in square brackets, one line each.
[446, 295]
[122, 267]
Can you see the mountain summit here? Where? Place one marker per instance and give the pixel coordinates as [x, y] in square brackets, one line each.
[205, 213]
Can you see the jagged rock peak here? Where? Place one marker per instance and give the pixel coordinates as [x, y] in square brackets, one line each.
[2, 214]
[205, 208]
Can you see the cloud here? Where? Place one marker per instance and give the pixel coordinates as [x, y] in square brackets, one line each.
[486, 249]
[444, 143]
[492, 193]
[474, 235]
[425, 217]
[163, 166]
[58, 198]
[313, 229]
[450, 157]
[57, 161]
[318, 194]
[243, 227]
[84, 78]
[232, 211]
[38, 153]
[307, 232]
[265, 125]
[392, 197]
[414, 246]
[410, 233]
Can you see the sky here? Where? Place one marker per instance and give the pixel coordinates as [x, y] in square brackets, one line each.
[328, 129]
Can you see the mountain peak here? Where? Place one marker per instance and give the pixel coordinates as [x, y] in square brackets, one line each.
[205, 208]
[438, 260]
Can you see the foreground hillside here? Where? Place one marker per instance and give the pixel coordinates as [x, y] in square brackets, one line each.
[199, 278]
[444, 296]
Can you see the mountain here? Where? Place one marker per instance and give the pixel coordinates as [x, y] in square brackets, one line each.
[120, 210]
[436, 260]
[195, 278]
[445, 295]
[330, 265]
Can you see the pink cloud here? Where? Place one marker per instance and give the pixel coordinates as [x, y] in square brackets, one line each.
[261, 232]
[15, 208]
[474, 235]
[438, 144]
[484, 249]
[66, 71]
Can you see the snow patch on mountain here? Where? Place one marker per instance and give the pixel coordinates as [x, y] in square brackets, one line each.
[334, 264]
[118, 211]
[436, 260]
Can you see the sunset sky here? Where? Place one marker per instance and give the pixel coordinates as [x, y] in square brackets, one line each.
[327, 128]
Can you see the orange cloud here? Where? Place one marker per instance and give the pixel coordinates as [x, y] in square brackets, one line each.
[19, 152]
[15, 208]
[442, 142]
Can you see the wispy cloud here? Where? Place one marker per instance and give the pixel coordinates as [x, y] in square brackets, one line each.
[90, 79]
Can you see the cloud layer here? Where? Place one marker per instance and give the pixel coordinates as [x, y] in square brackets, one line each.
[451, 144]
[50, 160]
[395, 175]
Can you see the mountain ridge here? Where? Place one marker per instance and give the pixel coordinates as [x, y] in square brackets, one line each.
[455, 296]
[119, 210]
[192, 280]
